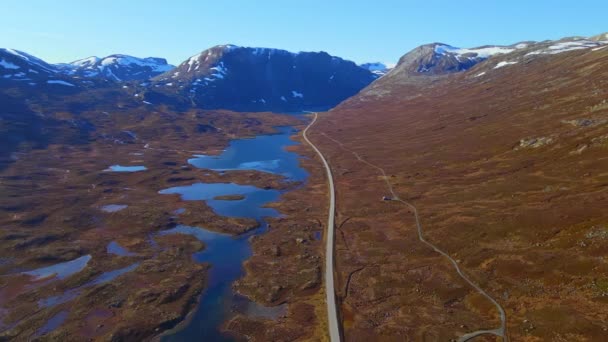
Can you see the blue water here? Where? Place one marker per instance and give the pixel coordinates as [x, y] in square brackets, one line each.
[112, 208]
[61, 270]
[250, 206]
[264, 153]
[120, 168]
[52, 324]
[111, 275]
[116, 249]
[73, 293]
[226, 253]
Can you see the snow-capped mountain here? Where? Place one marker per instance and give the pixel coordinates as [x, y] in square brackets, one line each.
[117, 67]
[439, 58]
[245, 78]
[427, 62]
[19, 68]
[377, 68]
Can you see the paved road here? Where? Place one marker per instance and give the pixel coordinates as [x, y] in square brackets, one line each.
[500, 331]
[332, 315]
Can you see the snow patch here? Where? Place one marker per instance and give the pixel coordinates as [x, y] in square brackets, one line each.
[192, 61]
[220, 68]
[561, 47]
[19, 54]
[8, 65]
[60, 82]
[484, 52]
[86, 61]
[503, 64]
[480, 74]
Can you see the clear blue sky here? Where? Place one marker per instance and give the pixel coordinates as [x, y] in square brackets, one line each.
[65, 30]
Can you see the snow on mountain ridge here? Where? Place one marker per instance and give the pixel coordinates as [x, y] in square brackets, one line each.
[30, 59]
[565, 46]
[481, 52]
[117, 67]
[85, 61]
[377, 68]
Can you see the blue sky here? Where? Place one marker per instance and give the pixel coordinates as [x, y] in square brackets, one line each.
[62, 31]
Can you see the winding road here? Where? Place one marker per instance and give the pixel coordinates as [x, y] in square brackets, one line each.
[332, 313]
[334, 328]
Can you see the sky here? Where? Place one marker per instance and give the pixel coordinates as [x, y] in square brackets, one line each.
[362, 31]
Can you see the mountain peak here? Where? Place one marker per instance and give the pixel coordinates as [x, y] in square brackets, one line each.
[440, 58]
[237, 77]
[600, 37]
[117, 67]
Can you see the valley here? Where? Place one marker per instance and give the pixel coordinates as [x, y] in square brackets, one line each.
[266, 195]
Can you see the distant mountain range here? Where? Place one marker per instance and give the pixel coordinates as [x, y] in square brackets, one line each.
[225, 76]
[259, 79]
[117, 67]
[376, 68]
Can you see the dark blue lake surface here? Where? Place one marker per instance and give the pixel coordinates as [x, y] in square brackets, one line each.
[116, 249]
[52, 324]
[250, 206]
[264, 153]
[112, 208]
[61, 270]
[73, 293]
[226, 253]
[120, 168]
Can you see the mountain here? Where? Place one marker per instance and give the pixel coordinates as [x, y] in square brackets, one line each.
[35, 77]
[429, 63]
[117, 67]
[18, 66]
[600, 37]
[504, 159]
[377, 68]
[245, 78]
[439, 58]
